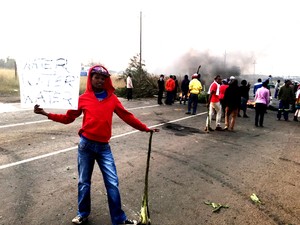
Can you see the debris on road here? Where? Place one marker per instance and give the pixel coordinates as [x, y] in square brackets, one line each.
[255, 199]
[216, 206]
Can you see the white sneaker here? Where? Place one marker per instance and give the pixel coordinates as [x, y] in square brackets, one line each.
[79, 220]
[129, 222]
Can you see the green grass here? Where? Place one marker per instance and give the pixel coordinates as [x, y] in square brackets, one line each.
[82, 86]
[9, 85]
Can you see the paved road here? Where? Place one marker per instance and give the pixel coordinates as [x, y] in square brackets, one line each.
[39, 176]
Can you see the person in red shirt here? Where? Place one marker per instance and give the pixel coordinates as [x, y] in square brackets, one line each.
[97, 103]
[214, 104]
[170, 87]
[223, 88]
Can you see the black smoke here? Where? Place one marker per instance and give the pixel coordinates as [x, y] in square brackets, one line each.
[233, 64]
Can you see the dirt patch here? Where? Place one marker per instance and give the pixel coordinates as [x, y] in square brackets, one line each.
[9, 98]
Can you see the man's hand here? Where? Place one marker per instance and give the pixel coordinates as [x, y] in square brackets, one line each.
[154, 130]
[39, 110]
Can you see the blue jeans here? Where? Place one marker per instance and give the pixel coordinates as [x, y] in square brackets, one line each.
[244, 104]
[89, 152]
[193, 100]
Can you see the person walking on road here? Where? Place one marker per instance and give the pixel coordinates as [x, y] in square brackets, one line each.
[129, 86]
[223, 88]
[232, 101]
[97, 103]
[184, 89]
[175, 89]
[297, 104]
[244, 91]
[195, 88]
[161, 89]
[277, 87]
[262, 100]
[285, 97]
[214, 104]
[170, 86]
[257, 85]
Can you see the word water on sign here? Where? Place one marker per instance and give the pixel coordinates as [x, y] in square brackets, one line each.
[49, 82]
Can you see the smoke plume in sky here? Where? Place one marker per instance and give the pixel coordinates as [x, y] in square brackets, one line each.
[226, 66]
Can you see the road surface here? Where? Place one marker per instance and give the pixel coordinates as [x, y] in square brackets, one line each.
[38, 169]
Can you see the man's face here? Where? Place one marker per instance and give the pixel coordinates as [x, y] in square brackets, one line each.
[219, 80]
[98, 81]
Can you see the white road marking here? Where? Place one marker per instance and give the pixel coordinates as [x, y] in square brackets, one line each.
[22, 124]
[75, 147]
[16, 107]
[11, 107]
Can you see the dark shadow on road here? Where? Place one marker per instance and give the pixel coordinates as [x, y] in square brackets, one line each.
[180, 130]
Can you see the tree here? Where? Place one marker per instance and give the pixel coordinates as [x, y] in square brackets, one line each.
[145, 84]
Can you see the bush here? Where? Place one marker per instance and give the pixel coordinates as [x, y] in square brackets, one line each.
[121, 92]
[202, 97]
[144, 84]
[9, 85]
[141, 89]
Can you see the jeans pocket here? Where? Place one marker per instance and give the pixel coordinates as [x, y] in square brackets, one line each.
[83, 144]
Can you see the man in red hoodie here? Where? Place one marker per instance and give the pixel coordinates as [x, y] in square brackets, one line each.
[97, 103]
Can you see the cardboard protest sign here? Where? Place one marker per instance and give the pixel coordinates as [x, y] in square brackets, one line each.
[49, 82]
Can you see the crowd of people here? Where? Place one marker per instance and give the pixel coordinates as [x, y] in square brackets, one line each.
[228, 98]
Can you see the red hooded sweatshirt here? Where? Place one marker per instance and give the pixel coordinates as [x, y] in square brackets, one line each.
[170, 84]
[97, 115]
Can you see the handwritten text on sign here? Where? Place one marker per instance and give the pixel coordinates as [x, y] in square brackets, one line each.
[49, 82]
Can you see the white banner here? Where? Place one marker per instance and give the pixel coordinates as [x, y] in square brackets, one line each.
[49, 82]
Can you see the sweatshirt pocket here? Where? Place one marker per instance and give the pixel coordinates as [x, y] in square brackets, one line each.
[97, 128]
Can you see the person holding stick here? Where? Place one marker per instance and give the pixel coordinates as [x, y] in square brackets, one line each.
[97, 103]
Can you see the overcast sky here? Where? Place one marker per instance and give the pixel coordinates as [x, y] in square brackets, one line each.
[265, 31]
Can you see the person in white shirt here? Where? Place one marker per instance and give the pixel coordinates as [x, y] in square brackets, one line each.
[129, 87]
[277, 86]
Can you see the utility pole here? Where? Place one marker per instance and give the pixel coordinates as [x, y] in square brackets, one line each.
[225, 55]
[254, 67]
[140, 43]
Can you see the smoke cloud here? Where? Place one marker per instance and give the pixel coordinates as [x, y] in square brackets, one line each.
[233, 64]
